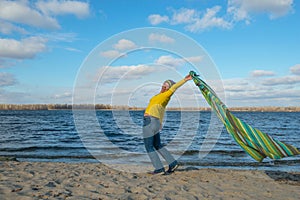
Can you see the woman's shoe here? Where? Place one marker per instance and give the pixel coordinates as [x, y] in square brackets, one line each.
[172, 168]
[158, 171]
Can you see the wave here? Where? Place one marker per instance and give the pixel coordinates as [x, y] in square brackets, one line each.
[220, 152]
[243, 164]
[36, 148]
[53, 157]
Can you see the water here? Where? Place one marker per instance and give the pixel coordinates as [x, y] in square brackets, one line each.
[197, 139]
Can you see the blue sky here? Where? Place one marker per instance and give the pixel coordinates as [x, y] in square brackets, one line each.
[48, 47]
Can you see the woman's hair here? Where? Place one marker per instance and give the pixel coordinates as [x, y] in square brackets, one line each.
[170, 82]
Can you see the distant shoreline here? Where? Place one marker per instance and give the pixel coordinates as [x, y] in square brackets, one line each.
[123, 107]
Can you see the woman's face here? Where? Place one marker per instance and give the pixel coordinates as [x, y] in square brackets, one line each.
[164, 87]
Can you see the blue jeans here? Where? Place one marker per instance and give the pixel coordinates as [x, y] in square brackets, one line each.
[151, 135]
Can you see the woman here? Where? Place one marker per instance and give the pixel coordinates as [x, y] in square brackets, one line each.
[153, 118]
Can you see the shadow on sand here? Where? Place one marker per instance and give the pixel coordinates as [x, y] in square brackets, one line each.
[292, 178]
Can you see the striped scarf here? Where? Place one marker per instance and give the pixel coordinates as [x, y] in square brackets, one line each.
[256, 143]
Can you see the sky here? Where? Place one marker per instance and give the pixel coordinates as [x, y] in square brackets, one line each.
[119, 52]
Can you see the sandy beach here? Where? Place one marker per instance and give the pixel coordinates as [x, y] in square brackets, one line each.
[49, 180]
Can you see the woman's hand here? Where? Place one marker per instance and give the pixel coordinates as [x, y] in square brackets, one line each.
[188, 77]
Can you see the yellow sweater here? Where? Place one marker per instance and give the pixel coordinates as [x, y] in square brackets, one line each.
[158, 103]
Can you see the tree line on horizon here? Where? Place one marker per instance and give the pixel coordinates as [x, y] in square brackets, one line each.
[125, 107]
[62, 107]
[52, 106]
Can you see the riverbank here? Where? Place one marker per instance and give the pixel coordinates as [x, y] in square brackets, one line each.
[49, 180]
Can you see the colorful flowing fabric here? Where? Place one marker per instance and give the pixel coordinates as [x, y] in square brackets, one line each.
[256, 143]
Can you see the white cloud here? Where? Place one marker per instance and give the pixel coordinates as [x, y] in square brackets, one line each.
[111, 74]
[111, 54]
[194, 59]
[237, 10]
[8, 28]
[157, 19]
[264, 98]
[209, 20]
[72, 49]
[65, 95]
[15, 97]
[39, 14]
[259, 73]
[184, 16]
[153, 37]
[236, 85]
[7, 79]
[121, 45]
[4, 63]
[17, 17]
[176, 62]
[252, 91]
[21, 12]
[58, 7]
[242, 9]
[194, 20]
[266, 92]
[58, 37]
[124, 44]
[170, 61]
[295, 69]
[25, 48]
[285, 80]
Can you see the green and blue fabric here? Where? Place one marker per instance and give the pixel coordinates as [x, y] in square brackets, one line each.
[257, 144]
